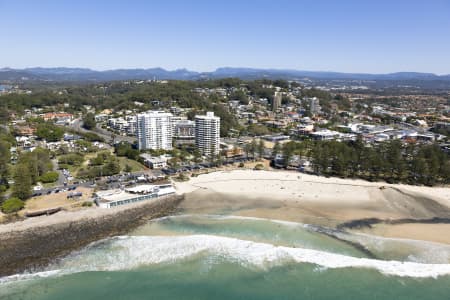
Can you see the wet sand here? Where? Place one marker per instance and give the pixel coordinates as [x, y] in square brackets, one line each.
[438, 233]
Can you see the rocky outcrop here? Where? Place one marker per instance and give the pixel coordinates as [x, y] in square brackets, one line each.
[35, 247]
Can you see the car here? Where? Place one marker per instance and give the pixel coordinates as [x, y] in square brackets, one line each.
[57, 191]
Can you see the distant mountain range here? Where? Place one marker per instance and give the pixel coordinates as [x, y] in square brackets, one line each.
[84, 74]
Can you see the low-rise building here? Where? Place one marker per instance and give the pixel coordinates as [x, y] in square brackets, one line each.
[60, 118]
[118, 197]
[325, 135]
[25, 130]
[154, 162]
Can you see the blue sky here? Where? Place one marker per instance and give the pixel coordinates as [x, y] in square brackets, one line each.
[377, 36]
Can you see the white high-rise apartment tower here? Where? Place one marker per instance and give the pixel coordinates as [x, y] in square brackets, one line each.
[276, 104]
[314, 106]
[154, 130]
[207, 134]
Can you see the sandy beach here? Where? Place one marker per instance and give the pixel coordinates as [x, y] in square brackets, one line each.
[299, 197]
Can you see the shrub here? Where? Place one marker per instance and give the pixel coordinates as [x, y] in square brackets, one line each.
[241, 165]
[86, 204]
[182, 177]
[128, 168]
[48, 177]
[259, 167]
[74, 159]
[63, 166]
[12, 205]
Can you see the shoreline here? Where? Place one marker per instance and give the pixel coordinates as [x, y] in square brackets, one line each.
[330, 202]
[376, 208]
[36, 242]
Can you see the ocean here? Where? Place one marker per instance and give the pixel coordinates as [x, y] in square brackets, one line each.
[204, 256]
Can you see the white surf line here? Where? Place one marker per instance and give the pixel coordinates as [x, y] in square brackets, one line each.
[129, 252]
[132, 252]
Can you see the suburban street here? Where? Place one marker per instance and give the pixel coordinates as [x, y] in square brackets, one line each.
[77, 125]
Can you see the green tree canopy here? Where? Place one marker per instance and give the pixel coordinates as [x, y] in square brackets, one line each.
[12, 205]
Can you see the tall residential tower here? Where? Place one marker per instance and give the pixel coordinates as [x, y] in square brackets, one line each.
[276, 103]
[154, 130]
[207, 134]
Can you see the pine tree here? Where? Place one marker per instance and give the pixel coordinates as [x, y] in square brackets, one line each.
[22, 182]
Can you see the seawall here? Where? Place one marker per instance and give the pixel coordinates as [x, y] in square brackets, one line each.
[24, 248]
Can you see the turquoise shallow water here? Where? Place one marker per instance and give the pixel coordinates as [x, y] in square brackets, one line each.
[196, 279]
[217, 257]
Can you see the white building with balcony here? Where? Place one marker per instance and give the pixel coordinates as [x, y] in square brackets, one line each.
[207, 134]
[154, 130]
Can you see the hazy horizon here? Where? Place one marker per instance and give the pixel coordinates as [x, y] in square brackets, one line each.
[323, 36]
[208, 71]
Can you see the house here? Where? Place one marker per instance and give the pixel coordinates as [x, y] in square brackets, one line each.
[325, 135]
[24, 130]
[57, 116]
[71, 137]
[231, 150]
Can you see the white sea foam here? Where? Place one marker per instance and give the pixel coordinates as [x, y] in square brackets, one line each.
[134, 251]
[130, 252]
[28, 276]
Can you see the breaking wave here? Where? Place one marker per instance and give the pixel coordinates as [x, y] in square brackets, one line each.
[130, 252]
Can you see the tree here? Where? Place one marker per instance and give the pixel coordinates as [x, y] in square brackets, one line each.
[247, 149]
[111, 167]
[257, 130]
[49, 177]
[5, 158]
[12, 205]
[49, 132]
[197, 156]
[37, 163]
[74, 159]
[126, 149]
[89, 121]
[240, 96]
[128, 168]
[254, 148]
[260, 148]
[276, 149]
[22, 182]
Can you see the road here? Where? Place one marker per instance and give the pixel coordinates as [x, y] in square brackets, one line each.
[77, 125]
[61, 177]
